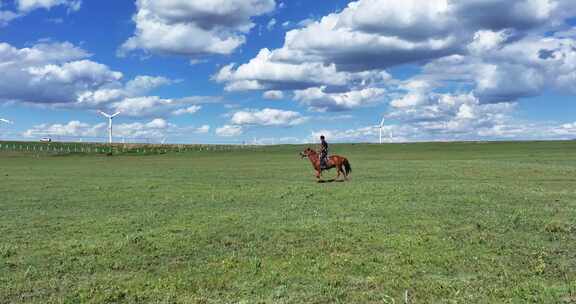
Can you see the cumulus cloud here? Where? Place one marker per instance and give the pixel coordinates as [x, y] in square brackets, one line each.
[263, 73]
[268, 117]
[509, 130]
[189, 110]
[7, 16]
[498, 71]
[229, 131]
[319, 85]
[371, 34]
[193, 28]
[157, 128]
[273, 95]
[500, 51]
[50, 73]
[318, 100]
[148, 106]
[422, 105]
[363, 134]
[72, 128]
[29, 5]
[271, 24]
[62, 75]
[203, 129]
[137, 87]
[241, 120]
[26, 6]
[266, 141]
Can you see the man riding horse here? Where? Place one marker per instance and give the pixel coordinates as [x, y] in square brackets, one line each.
[321, 161]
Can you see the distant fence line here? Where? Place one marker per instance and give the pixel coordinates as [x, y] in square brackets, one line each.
[98, 148]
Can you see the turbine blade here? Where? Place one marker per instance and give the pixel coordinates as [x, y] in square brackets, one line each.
[104, 114]
[382, 122]
[115, 114]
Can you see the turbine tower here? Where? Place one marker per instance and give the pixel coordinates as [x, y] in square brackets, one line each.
[381, 130]
[381, 127]
[110, 117]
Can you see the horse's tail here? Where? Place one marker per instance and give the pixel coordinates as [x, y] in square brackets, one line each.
[347, 167]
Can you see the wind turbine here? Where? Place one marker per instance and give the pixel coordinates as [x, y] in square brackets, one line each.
[110, 117]
[381, 130]
[380, 127]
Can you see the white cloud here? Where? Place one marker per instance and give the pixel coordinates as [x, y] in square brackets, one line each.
[229, 131]
[142, 106]
[273, 95]
[509, 71]
[266, 141]
[6, 17]
[262, 73]
[83, 74]
[154, 106]
[61, 75]
[156, 128]
[486, 40]
[268, 117]
[204, 129]
[50, 73]
[144, 84]
[352, 135]
[318, 100]
[217, 26]
[271, 24]
[508, 82]
[316, 84]
[29, 5]
[414, 132]
[371, 34]
[189, 110]
[26, 6]
[137, 87]
[496, 49]
[73, 128]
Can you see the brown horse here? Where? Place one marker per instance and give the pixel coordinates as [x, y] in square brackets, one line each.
[340, 163]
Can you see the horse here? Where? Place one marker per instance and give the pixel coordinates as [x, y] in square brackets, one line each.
[341, 164]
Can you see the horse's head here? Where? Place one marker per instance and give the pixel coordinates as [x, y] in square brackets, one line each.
[307, 152]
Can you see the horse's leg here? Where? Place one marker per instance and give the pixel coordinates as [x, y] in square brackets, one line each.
[343, 169]
[318, 174]
[338, 169]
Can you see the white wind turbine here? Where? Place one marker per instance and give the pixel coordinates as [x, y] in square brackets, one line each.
[110, 117]
[381, 130]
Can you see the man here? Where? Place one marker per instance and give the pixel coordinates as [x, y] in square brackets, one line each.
[323, 153]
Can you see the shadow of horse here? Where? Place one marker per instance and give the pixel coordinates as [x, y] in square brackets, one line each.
[330, 181]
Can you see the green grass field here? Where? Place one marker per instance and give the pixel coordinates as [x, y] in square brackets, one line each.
[449, 223]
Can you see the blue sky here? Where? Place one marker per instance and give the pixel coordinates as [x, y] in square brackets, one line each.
[268, 72]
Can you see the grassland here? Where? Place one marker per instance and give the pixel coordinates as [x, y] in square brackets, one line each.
[449, 223]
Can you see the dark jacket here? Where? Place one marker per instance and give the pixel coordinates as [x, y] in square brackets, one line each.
[324, 148]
